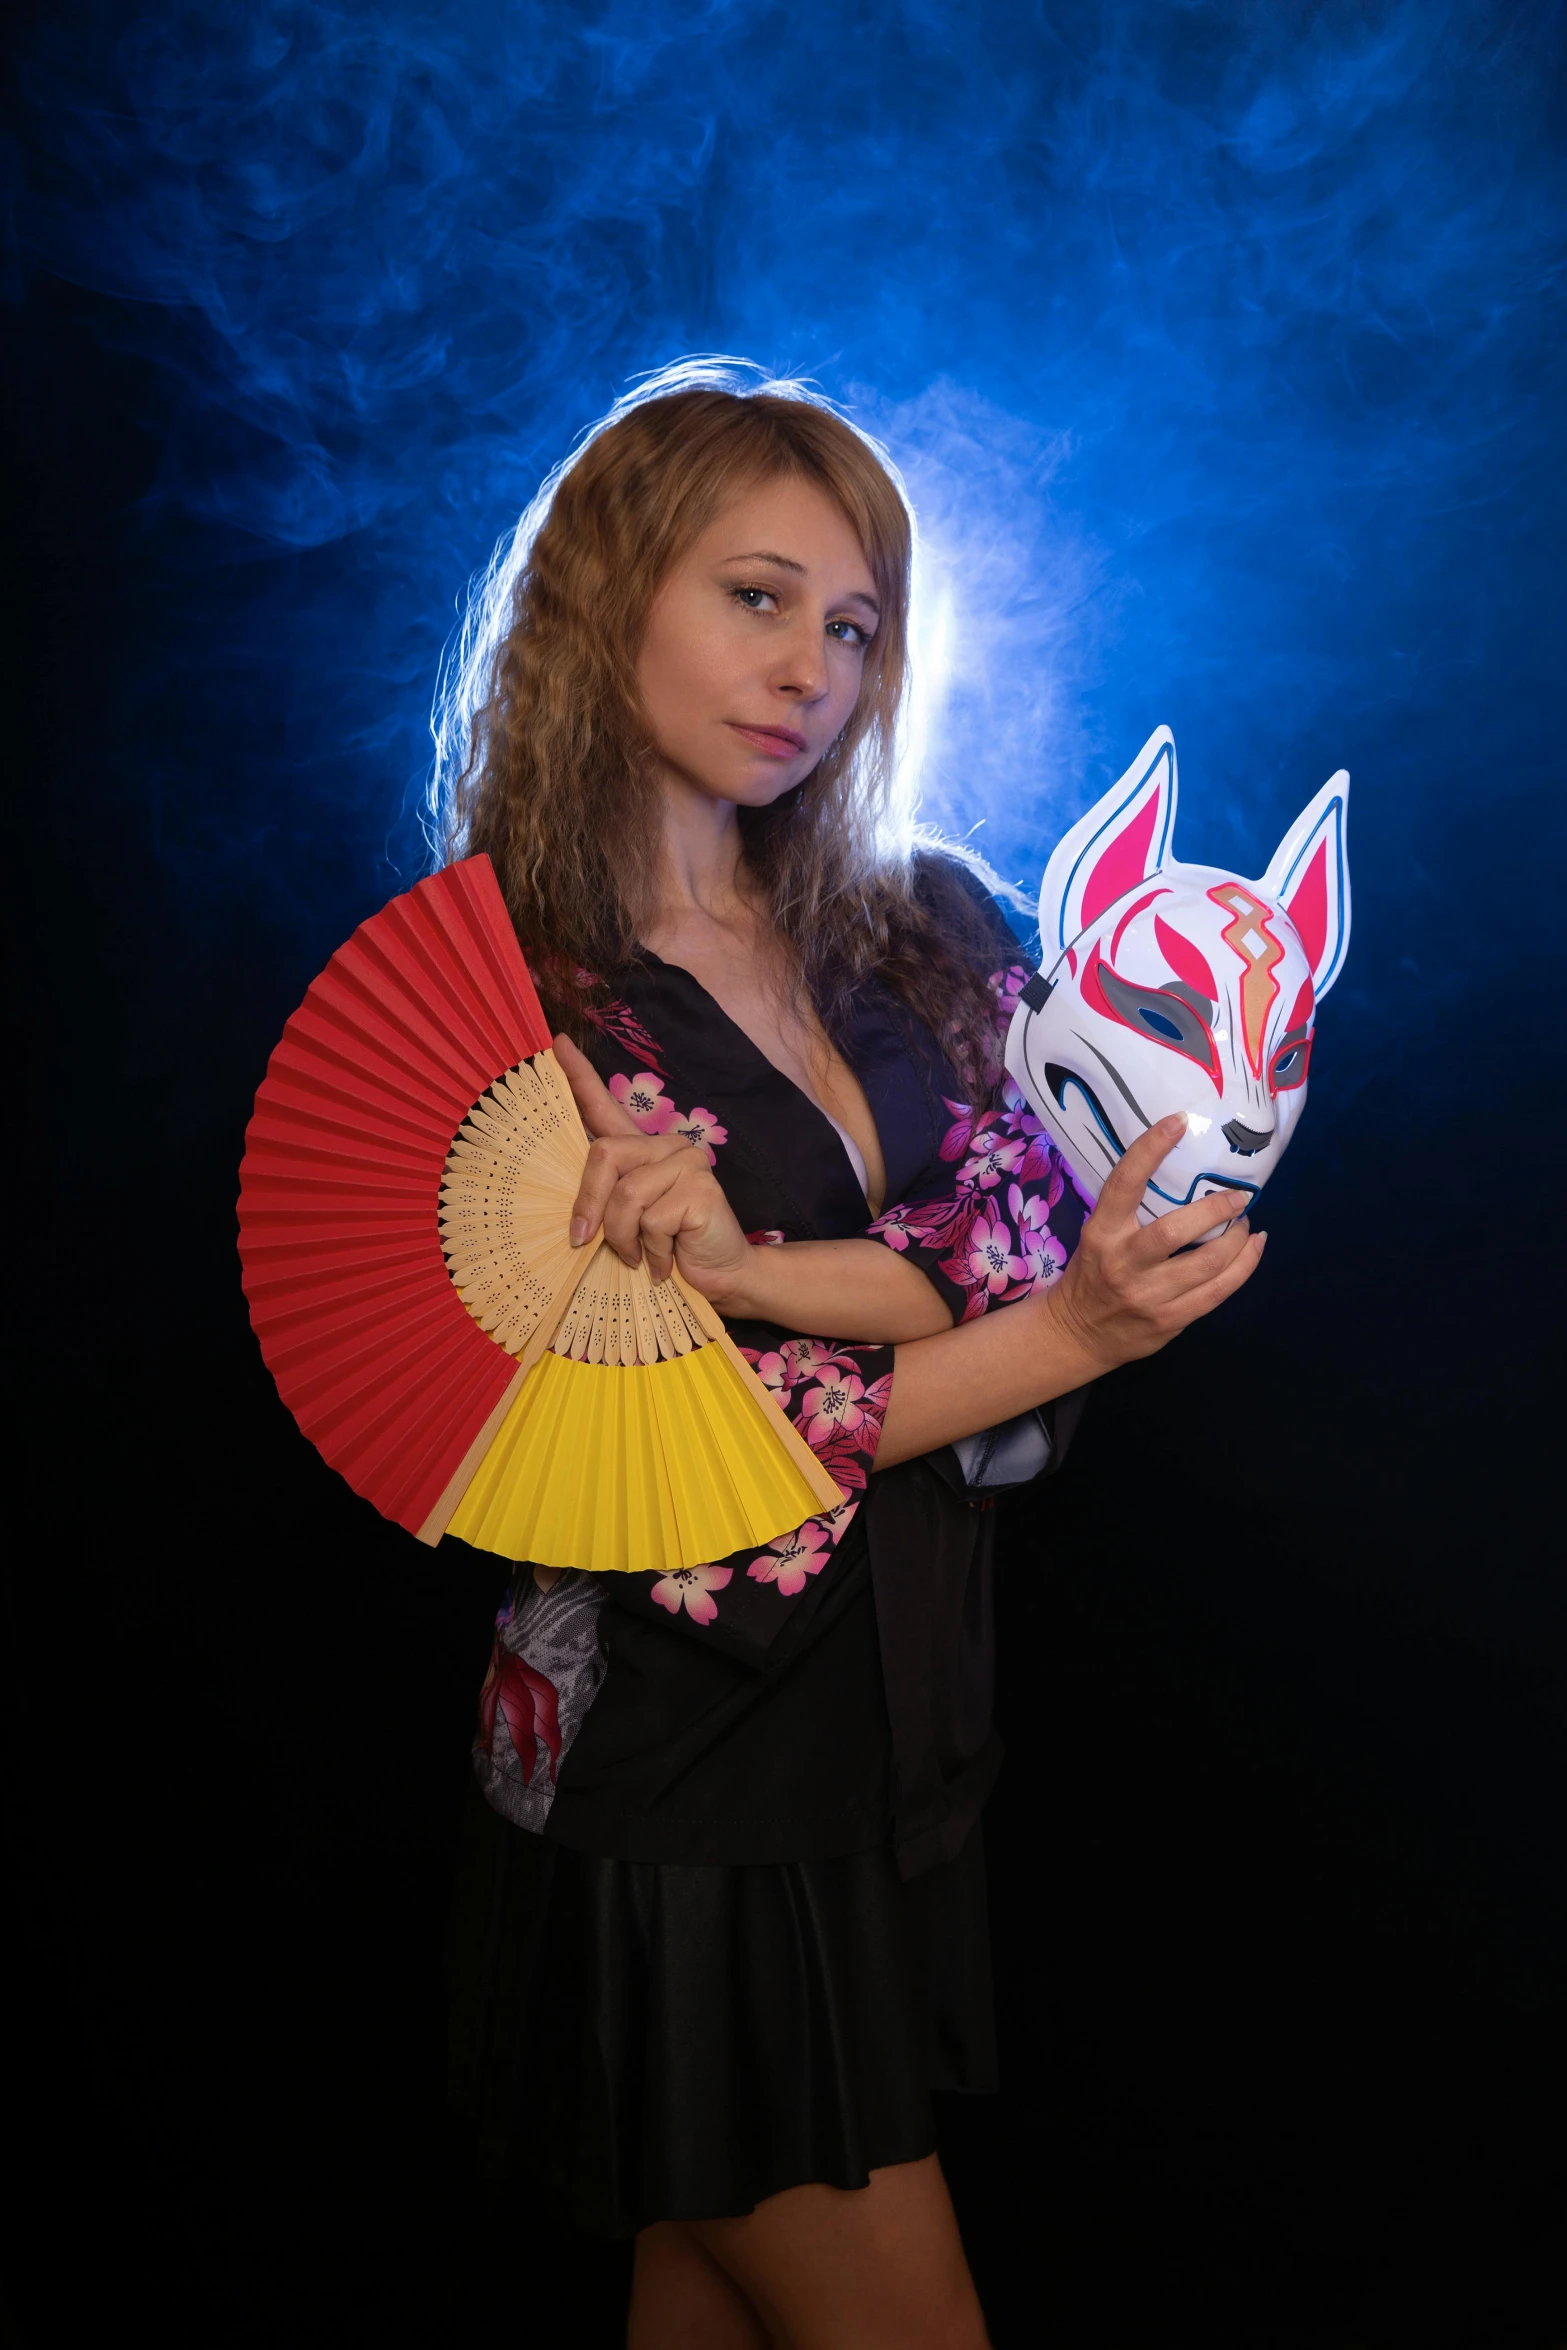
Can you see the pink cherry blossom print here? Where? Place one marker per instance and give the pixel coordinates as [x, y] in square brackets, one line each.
[1024, 1127]
[702, 1130]
[771, 1238]
[1042, 1252]
[895, 1227]
[805, 1356]
[992, 1264]
[786, 1563]
[644, 1097]
[928, 1224]
[956, 1139]
[995, 1155]
[691, 1588]
[831, 1410]
[773, 1369]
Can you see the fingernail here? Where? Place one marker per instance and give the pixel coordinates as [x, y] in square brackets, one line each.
[579, 1230]
[1261, 1239]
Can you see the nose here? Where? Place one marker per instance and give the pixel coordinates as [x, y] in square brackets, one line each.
[1246, 1140]
[801, 671]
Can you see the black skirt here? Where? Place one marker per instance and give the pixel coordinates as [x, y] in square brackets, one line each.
[645, 2041]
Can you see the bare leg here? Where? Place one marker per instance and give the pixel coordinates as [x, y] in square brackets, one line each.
[681, 2299]
[881, 2267]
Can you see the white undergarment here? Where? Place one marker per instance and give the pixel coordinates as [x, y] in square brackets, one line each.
[856, 1155]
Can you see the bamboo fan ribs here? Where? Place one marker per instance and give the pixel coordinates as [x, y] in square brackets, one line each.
[511, 1176]
[404, 1201]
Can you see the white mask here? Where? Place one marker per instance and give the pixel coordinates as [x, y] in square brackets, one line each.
[1179, 987]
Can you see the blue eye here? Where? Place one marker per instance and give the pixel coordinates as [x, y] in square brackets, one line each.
[1159, 1024]
[1291, 1059]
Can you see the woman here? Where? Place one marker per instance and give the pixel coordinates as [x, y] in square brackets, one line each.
[734, 1925]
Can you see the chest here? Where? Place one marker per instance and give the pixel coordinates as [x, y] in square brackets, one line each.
[777, 1146]
[752, 993]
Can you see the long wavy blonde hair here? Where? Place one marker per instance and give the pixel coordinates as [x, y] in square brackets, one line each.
[544, 761]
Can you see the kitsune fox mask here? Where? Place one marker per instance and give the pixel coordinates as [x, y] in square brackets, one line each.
[1179, 987]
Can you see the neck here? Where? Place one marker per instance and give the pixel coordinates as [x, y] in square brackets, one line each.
[699, 857]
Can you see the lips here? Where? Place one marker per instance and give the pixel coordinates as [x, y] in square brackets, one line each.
[781, 742]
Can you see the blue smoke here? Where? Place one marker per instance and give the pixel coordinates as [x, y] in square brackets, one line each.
[1204, 337]
[1219, 345]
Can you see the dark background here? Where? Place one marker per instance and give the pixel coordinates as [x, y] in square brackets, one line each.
[1219, 346]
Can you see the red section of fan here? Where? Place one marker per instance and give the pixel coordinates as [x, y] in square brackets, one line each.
[372, 1349]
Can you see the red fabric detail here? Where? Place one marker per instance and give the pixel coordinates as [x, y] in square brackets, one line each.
[618, 1020]
[1122, 865]
[1308, 908]
[528, 1702]
[1185, 960]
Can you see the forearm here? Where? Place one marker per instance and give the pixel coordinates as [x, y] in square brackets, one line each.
[834, 1289]
[961, 1380]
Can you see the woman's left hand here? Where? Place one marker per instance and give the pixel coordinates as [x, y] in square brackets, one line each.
[655, 1196]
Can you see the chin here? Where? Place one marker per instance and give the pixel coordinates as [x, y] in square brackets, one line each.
[750, 790]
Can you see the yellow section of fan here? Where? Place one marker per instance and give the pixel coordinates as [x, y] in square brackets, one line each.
[637, 1466]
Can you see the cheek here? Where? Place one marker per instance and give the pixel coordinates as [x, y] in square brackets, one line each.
[664, 666]
[693, 670]
[844, 687]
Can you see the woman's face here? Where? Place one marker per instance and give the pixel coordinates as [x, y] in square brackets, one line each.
[756, 642]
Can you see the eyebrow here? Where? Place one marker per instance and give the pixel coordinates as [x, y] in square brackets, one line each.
[788, 563]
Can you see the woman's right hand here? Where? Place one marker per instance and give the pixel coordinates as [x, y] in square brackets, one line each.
[659, 1203]
[654, 1196]
[1128, 1290]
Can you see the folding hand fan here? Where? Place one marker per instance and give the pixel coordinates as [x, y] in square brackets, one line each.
[404, 1201]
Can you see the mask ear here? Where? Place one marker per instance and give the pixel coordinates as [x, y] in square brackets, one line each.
[1122, 840]
[1309, 878]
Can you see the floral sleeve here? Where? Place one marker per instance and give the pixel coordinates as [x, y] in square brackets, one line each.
[997, 1214]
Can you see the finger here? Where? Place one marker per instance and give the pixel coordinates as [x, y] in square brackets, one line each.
[1128, 1179]
[1198, 1302]
[1193, 1268]
[684, 1209]
[646, 1205]
[601, 1113]
[1184, 1227]
[609, 1160]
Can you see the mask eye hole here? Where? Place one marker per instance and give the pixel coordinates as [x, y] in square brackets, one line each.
[1164, 1013]
[1200, 1004]
[1291, 1060]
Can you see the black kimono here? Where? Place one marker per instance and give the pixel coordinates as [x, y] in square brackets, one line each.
[735, 1911]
